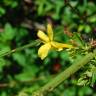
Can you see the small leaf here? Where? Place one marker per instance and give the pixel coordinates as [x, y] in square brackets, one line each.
[14, 4]
[92, 19]
[2, 11]
[4, 49]
[28, 73]
[94, 76]
[87, 28]
[20, 58]
[80, 28]
[8, 33]
[2, 63]
[82, 82]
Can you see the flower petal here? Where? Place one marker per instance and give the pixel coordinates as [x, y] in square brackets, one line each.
[43, 50]
[50, 31]
[60, 46]
[43, 36]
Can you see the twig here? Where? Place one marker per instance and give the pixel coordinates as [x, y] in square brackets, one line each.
[32, 44]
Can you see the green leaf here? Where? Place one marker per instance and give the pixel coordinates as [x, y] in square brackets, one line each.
[92, 19]
[94, 76]
[53, 54]
[2, 63]
[8, 33]
[40, 5]
[28, 73]
[77, 38]
[57, 9]
[85, 91]
[82, 82]
[3, 93]
[69, 92]
[49, 7]
[4, 49]
[2, 11]
[87, 29]
[21, 32]
[20, 58]
[80, 28]
[41, 9]
[73, 3]
[32, 88]
[64, 55]
[14, 4]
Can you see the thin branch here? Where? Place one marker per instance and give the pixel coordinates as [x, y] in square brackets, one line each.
[32, 44]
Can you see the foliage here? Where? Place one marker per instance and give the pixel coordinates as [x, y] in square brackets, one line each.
[23, 72]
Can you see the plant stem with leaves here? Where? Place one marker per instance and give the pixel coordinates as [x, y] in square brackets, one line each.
[64, 75]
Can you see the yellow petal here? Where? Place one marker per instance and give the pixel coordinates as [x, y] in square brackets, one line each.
[60, 46]
[43, 50]
[43, 36]
[50, 31]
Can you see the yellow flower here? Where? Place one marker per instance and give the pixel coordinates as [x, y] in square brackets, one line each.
[49, 43]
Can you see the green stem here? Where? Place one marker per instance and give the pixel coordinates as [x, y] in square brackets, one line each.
[64, 75]
[32, 44]
[79, 38]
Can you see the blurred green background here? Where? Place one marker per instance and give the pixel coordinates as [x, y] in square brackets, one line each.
[23, 72]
